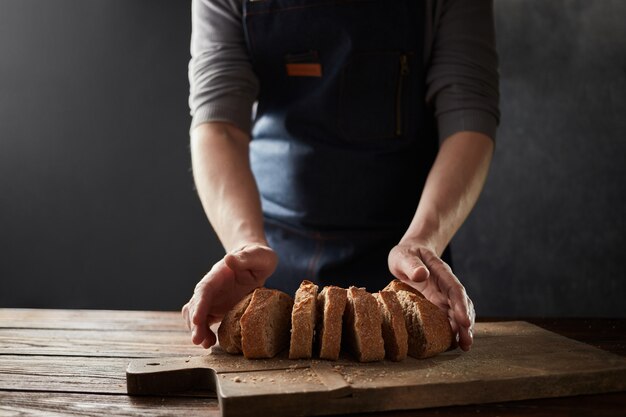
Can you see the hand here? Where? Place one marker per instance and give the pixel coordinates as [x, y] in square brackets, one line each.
[230, 279]
[419, 266]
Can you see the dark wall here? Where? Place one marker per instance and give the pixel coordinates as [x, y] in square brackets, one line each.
[97, 207]
[548, 236]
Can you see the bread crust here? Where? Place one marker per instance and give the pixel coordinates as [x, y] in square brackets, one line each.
[427, 325]
[331, 304]
[303, 318]
[229, 332]
[363, 326]
[265, 324]
[394, 327]
[397, 285]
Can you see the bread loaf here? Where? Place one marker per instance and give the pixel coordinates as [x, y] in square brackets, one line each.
[363, 326]
[265, 324]
[395, 322]
[303, 317]
[331, 304]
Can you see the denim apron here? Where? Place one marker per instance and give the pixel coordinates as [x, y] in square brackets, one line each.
[341, 141]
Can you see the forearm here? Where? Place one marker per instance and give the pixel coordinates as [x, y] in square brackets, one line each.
[451, 190]
[225, 184]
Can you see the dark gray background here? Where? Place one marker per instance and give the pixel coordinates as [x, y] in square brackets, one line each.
[97, 207]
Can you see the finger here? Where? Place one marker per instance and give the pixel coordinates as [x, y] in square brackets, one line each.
[472, 312]
[198, 334]
[449, 285]
[255, 258]
[465, 322]
[453, 324]
[252, 265]
[204, 335]
[209, 340]
[466, 338]
[409, 268]
[462, 309]
[185, 313]
[206, 290]
[204, 303]
[466, 335]
[458, 301]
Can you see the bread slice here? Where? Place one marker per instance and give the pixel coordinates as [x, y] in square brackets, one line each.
[331, 304]
[265, 324]
[363, 326]
[394, 327]
[229, 332]
[427, 325]
[303, 317]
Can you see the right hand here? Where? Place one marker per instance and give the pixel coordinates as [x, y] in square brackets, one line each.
[230, 279]
[418, 265]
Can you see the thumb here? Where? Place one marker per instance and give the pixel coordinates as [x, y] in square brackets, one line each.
[408, 267]
[252, 263]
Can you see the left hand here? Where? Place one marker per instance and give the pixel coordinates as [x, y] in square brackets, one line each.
[419, 266]
[230, 279]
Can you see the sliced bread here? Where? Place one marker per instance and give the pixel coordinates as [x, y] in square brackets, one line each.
[427, 325]
[363, 326]
[303, 317]
[265, 324]
[229, 332]
[331, 303]
[394, 327]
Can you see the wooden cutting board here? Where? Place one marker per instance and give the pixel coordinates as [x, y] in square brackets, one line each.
[509, 361]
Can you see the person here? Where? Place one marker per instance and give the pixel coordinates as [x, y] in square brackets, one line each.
[370, 142]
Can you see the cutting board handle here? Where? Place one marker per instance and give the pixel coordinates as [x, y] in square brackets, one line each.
[168, 375]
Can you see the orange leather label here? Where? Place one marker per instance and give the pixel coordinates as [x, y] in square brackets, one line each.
[304, 70]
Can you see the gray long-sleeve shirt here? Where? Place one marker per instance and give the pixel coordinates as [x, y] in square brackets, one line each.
[459, 55]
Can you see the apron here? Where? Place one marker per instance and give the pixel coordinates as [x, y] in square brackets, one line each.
[341, 140]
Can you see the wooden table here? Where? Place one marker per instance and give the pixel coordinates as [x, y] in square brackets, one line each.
[72, 362]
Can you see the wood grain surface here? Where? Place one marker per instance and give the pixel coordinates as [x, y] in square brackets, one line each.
[116, 320]
[86, 379]
[510, 361]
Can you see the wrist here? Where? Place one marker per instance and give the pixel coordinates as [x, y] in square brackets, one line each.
[247, 234]
[243, 233]
[247, 242]
[425, 233]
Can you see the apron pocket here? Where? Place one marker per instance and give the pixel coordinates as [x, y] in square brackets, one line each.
[373, 95]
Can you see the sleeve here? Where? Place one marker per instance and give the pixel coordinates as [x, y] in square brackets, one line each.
[222, 84]
[462, 76]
